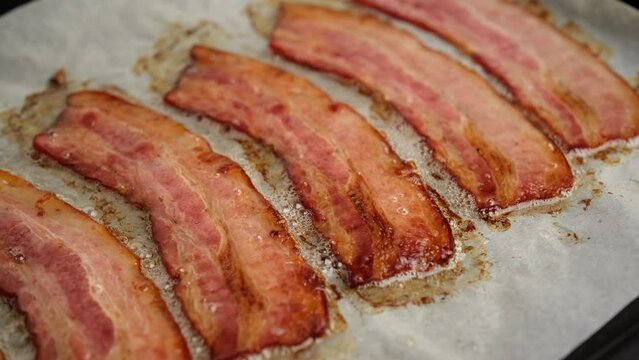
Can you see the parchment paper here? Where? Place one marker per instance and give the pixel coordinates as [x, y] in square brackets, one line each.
[554, 279]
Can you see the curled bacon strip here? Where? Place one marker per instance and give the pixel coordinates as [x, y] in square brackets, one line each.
[81, 290]
[242, 282]
[484, 142]
[369, 204]
[570, 90]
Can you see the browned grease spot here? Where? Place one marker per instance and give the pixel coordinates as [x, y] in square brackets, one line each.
[35, 116]
[338, 295]
[612, 155]
[586, 40]
[590, 180]
[170, 52]
[498, 224]
[578, 160]
[15, 340]
[379, 105]
[108, 214]
[337, 322]
[567, 236]
[382, 108]
[263, 160]
[586, 203]
[552, 209]
[41, 202]
[59, 78]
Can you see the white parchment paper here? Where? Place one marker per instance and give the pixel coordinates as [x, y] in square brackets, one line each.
[554, 279]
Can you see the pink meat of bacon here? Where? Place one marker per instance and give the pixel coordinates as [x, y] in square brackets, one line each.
[369, 204]
[81, 290]
[485, 143]
[242, 283]
[575, 94]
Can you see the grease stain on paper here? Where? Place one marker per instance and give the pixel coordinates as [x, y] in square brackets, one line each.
[567, 236]
[171, 51]
[473, 266]
[14, 336]
[263, 13]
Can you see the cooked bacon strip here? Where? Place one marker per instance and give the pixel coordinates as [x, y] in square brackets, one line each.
[570, 90]
[369, 204]
[485, 143]
[241, 280]
[81, 290]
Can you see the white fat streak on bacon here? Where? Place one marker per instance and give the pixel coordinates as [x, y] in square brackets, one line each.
[216, 234]
[577, 96]
[82, 291]
[485, 143]
[331, 153]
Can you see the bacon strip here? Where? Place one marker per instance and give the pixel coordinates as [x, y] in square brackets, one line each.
[486, 144]
[81, 290]
[369, 204]
[241, 280]
[575, 94]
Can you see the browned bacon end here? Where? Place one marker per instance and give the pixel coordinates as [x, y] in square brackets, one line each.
[484, 142]
[242, 283]
[368, 203]
[81, 290]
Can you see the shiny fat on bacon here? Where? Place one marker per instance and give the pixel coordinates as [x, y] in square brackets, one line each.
[575, 94]
[241, 282]
[81, 290]
[369, 204]
[485, 143]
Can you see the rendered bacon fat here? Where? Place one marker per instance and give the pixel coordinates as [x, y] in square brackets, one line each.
[241, 280]
[369, 204]
[485, 143]
[570, 90]
[81, 290]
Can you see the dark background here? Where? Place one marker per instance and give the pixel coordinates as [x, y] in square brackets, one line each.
[616, 340]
